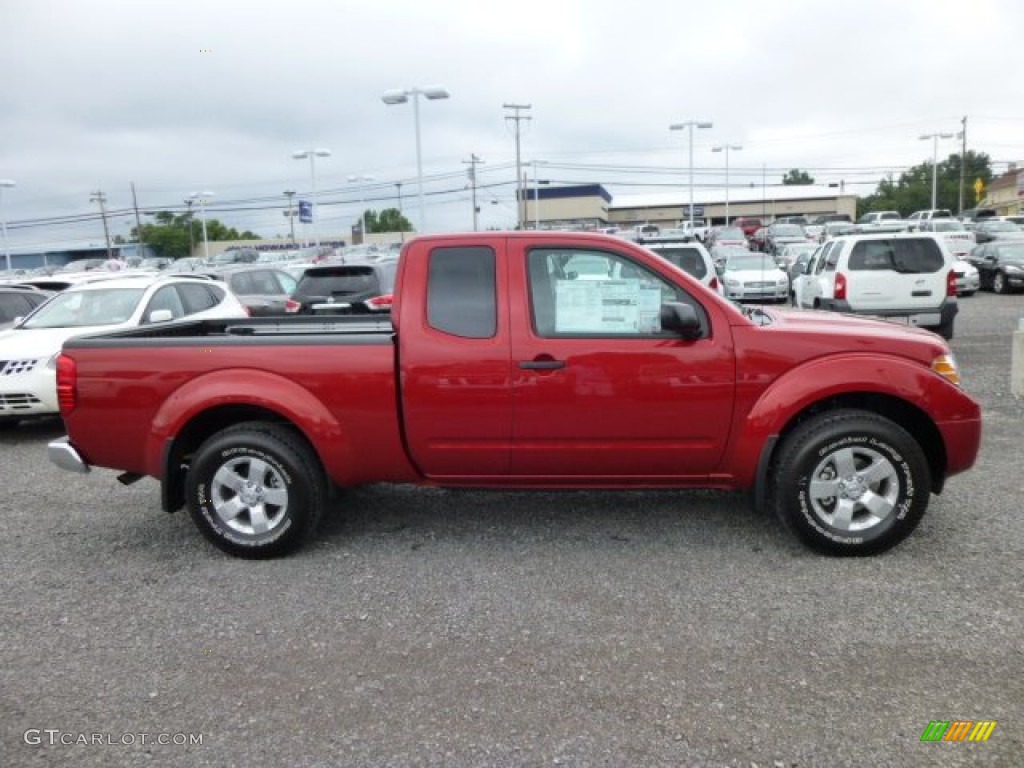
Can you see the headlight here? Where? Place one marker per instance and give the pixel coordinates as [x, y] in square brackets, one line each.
[732, 282]
[1012, 268]
[52, 362]
[945, 366]
[783, 281]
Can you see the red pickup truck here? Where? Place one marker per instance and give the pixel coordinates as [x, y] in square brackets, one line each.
[527, 360]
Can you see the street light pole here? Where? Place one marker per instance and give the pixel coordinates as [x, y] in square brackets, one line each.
[191, 238]
[290, 194]
[690, 124]
[5, 184]
[312, 154]
[362, 199]
[433, 93]
[935, 159]
[202, 198]
[727, 148]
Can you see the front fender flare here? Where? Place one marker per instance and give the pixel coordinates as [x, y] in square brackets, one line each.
[822, 379]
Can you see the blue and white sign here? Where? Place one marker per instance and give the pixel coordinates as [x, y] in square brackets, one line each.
[305, 211]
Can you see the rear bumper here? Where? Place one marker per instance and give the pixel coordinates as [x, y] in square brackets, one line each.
[63, 454]
[946, 311]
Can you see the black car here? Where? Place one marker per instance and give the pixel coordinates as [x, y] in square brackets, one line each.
[262, 289]
[1000, 265]
[988, 230]
[345, 289]
[782, 234]
[17, 302]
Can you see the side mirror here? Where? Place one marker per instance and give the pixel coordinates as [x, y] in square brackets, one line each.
[160, 316]
[676, 316]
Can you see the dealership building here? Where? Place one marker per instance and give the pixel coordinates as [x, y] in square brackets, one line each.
[591, 206]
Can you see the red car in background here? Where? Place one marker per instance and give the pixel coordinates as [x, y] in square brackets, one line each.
[749, 225]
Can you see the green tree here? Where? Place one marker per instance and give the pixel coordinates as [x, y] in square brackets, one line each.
[913, 190]
[173, 235]
[796, 176]
[388, 220]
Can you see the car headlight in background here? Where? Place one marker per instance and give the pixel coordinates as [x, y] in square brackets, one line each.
[52, 362]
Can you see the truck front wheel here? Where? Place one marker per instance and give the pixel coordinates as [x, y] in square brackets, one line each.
[255, 490]
[851, 482]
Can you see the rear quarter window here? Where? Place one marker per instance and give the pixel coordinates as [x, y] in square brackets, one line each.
[462, 292]
[907, 256]
[688, 259]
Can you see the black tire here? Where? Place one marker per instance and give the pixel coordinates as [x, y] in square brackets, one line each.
[285, 496]
[999, 283]
[878, 457]
[945, 330]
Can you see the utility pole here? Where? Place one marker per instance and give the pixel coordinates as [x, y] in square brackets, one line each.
[138, 224]
[290, 194]
[518, 117]
[99, 197]
[191, 237]
[473, 160]
[963, 161]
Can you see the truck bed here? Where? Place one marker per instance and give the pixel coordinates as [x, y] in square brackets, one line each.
[207, 330]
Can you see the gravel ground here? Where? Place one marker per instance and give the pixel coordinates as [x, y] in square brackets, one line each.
[436, 628]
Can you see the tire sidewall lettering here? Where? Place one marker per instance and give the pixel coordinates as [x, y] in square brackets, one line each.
[209, 514]
[905, 499]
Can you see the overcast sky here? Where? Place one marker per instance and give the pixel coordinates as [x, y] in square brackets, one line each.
[189, 96]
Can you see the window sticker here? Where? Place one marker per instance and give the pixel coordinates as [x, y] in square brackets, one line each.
[607, 306]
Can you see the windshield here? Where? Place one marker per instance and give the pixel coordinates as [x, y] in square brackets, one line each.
[787, 230]
[81, 309]
[760, 261]
[947, 226]
[1011, 252]
[731, 233]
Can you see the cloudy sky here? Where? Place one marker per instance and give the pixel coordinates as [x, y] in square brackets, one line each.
[190, 96]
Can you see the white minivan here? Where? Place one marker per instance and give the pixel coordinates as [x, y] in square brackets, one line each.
[906, 276]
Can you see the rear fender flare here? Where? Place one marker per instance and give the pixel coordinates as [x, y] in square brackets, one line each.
[262, 389]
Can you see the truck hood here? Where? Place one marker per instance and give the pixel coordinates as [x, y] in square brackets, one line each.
[867, 331]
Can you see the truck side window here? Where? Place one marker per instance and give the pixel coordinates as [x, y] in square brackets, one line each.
[596, 293]
[462, 292]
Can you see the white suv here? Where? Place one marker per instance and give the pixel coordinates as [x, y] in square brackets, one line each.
[909, 276]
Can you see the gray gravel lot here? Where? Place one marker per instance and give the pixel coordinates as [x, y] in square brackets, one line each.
[427, 627]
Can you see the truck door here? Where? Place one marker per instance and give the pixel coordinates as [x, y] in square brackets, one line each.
[599, 391]
[454, 360]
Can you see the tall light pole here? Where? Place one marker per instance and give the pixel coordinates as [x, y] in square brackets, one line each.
[727, 148]
[191, 237]
[690, 124]
[290, 194]
[361, 180]
[536, 194]
[5, 184]
[432, 92]
[935, 159]
[203, 198]
[312, 154]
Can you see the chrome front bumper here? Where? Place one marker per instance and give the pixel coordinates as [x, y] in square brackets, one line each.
[66, 457]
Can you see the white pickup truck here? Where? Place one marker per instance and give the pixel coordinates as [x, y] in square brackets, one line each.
[881, 221]
[698, 230]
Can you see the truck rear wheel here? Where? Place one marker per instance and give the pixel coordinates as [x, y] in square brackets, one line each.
[851, 482]
[255, 490]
